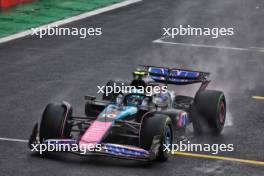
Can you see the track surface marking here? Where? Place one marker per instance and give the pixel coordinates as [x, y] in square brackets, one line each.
[160, 40]
[220, 158]
[71, 19]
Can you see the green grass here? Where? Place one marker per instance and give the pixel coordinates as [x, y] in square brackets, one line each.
[41, 12]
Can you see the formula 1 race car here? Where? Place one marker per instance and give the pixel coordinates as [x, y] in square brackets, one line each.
[136, 125]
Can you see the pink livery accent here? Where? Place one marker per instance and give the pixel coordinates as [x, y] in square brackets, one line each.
[95, 133]
[179, 121]
[182, 119]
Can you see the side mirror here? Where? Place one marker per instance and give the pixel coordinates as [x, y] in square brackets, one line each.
[90, 98]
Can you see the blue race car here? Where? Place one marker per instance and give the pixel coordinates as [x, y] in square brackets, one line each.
[135, 125]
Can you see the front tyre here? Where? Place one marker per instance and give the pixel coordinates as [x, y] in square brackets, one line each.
[157, 125]
[54, 122]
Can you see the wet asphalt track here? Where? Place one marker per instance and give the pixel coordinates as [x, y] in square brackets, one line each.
[37, 71]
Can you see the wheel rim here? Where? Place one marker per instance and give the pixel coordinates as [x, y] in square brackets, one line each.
[168, 135]
[222, 113]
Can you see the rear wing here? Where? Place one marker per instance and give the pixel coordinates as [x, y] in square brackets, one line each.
[173, 75]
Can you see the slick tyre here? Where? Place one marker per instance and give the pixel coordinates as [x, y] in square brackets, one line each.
[209, 109]
[54, 123]
[157, 125]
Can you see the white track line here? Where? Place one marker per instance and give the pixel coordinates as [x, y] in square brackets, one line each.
[257, 49]
[13, 140]
[71, 19]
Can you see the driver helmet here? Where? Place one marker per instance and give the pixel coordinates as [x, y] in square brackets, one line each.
[161, 100]
[134, 100]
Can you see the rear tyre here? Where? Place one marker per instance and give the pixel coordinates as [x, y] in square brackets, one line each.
[54, 123]
[157, 125]
[209, 108]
